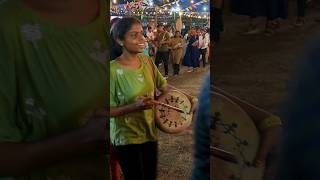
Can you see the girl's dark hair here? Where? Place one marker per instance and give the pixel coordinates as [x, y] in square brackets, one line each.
[118, 30]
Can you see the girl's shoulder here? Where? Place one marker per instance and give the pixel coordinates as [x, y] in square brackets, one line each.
[113, 66]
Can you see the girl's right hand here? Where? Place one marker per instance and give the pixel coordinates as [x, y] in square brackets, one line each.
[143, 103]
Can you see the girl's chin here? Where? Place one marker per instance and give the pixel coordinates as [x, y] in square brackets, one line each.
[137, 51]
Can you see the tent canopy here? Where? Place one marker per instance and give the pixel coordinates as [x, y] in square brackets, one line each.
[199, 6]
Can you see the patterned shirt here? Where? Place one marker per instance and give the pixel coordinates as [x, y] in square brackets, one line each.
[126, 85]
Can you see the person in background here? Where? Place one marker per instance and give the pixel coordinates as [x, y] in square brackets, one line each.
[176, 44]
[217, 20]
[301, 8]
[150, 40]
[162, 55]
[208, 52]
[203, 46]
[53, 84]
[191, 58]
[272, 10]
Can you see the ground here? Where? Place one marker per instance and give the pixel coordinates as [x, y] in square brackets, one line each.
[175, 151]
[258, 68]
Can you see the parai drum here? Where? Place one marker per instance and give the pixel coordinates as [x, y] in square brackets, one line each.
[169, 120]
[234, 132]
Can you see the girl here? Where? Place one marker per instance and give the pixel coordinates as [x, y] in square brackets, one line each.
[133, 80]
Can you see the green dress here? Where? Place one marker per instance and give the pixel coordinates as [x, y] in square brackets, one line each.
[126, 85]
[50, 76]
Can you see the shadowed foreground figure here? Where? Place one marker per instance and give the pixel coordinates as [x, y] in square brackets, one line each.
[53, 81]
[201, 162]
[300, 157]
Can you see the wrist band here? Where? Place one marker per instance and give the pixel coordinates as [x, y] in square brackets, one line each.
[270, 121]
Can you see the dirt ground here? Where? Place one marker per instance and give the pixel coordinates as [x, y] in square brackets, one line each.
[257, 68]
[175, 151]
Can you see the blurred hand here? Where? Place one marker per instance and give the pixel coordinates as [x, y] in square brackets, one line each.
[143, 103]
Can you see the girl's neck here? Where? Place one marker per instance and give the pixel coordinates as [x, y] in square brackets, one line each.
[128, 58]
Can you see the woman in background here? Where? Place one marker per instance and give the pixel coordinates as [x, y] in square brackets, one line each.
[176, 44]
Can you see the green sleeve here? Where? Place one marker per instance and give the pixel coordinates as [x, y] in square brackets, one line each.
[9, 132]
[161, 82]
[112, 90]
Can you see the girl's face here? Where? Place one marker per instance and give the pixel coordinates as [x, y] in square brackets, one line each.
[134, 40]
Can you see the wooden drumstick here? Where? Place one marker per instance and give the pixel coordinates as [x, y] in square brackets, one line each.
[222, 154]
[167, 105]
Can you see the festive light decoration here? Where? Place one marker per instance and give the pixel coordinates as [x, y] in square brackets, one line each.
[147, 8]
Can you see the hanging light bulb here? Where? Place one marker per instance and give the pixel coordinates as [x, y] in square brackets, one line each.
[151, 3]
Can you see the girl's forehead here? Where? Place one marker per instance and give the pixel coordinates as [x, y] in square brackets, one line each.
[136, 26]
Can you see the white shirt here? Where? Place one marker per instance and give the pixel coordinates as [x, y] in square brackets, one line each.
[186, 36]
[204, 41]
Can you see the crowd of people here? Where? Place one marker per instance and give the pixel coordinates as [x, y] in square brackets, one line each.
[166, 45]
[272, 10]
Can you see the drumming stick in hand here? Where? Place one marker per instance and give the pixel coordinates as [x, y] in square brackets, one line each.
[167, 105]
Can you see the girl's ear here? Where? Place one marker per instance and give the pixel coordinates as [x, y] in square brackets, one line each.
[120, 42]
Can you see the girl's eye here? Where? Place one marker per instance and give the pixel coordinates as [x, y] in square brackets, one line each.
[135, 35]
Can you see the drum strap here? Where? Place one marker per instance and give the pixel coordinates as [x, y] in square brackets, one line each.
[147, 62]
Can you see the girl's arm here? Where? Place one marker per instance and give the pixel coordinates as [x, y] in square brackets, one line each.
[141, 104]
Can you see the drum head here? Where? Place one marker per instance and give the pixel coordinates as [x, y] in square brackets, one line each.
[172, 121]
[233, 131]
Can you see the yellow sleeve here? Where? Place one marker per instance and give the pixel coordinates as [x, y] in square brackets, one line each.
[112, 90]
